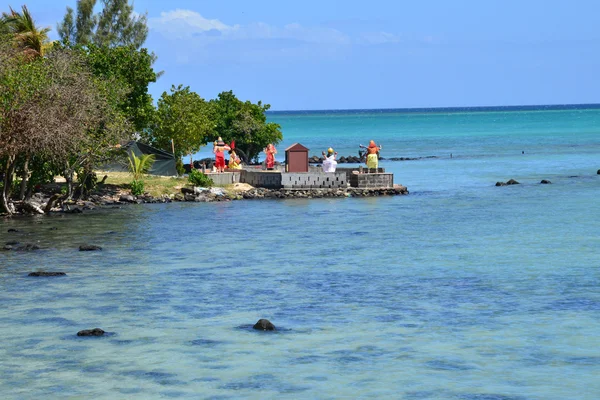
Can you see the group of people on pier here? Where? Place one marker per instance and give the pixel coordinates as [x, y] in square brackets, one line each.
[219, 149]
[371, 152]
[329, 158]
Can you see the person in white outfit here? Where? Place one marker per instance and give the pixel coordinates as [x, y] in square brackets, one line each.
[329, 163]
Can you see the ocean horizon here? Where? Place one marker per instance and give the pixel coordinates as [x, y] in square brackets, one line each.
[532, 107]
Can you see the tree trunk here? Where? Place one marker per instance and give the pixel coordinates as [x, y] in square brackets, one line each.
[242, 155]
[24, 179]
[5, 203]
[68, 175]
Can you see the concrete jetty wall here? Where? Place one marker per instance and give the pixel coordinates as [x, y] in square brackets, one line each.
[314, 179]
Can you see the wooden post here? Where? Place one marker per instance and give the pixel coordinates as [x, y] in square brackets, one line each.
[173, 146]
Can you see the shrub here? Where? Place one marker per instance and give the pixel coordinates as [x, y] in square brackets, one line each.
[179, 166]
[197, 178]
[139, 166]
[137, 187]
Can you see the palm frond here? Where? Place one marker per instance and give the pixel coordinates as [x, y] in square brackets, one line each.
[27, 36]
[139, 166]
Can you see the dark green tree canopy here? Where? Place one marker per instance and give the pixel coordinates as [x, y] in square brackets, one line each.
[184, 117]
[244, 122]
[132, 69]
[115, 25]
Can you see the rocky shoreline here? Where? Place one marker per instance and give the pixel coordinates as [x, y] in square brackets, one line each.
[40, 203]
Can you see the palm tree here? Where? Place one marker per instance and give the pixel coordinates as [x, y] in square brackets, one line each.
[33, 41]
[139, 166]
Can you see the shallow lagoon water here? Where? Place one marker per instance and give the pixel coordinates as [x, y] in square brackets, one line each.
[460, 290]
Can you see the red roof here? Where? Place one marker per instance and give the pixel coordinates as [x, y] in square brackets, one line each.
[296, 147]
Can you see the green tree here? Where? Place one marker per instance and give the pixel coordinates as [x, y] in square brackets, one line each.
[53, 112]
[244, 122]
[115, 25]
[131, 69]
[184, 117]
[30, 39]
[79, 30]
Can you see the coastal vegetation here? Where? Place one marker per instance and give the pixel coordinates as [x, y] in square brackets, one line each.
[139, 166]
[67, 106]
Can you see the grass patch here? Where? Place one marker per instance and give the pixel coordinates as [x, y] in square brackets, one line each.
[154, 185]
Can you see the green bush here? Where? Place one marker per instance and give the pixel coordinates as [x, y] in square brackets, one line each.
[137, 187]
[179, 167]
[197, 178]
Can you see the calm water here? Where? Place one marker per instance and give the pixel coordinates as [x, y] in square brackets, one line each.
[461, 290]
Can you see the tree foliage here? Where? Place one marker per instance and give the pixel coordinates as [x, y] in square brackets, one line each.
[183, 116]
[244, 122]
[52, 112]
[130, 69]
[115, 25]
[27, 37]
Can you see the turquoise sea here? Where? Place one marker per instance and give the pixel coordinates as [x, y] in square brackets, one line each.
[460, 290]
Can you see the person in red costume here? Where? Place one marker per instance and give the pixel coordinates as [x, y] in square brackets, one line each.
[219, 149]
[270, 151]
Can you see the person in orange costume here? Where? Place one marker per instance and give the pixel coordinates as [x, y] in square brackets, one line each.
[372, 156]
[270, 151]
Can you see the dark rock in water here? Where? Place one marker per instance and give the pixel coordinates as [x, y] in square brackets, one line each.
[91, 332]
[545, 182]
[500, 184]
[12, 230]
[264, 325]
[12, 243]
[89, 247]
[512, 182]
[28, 247]
[41, 273]
[53, 228]
[75, 210]
[598, 172]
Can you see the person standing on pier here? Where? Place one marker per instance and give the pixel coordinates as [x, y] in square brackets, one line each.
[329, 163]
[270, 151]
[373, 156]
[219, 149]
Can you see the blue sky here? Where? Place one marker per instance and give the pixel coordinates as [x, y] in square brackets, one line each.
[372, 54]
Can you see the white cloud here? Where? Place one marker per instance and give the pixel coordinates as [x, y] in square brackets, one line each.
[178, 24]
[379, 38]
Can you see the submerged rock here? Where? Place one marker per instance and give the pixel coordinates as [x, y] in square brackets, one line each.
[545, 182]
[91, 332]
[509, 182]
[11, 230]
[264, 325]
[42, 273]
[89, 247]
[27, 247]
